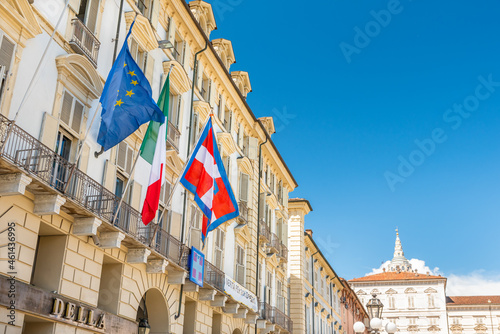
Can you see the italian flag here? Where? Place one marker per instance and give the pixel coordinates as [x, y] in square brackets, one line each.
[153, 150]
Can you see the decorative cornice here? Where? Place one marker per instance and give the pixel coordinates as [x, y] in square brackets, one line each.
[142, 32]
[179, 80]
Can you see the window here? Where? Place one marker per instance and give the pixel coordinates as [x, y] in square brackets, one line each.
[175, 108]
[269, 282]
[479, 320]
[162, 216]
[218, 108]
[72, 112]
[124, 157]
[411, 302]
[456, 320]
[226, 161]
[138, 53]
[391, 302]
[219, 248]
[179, 49]
[430, 298]
[60, 171]
[205, 88]
[271, 182]
[244, 187]
[433, 321]
[412, 321]
[280, 300]
[89, 9]
[145, 7]
[7, 49]
[228, 118]
[240, 265]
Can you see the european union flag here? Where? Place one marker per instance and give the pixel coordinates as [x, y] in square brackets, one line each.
[126, 100]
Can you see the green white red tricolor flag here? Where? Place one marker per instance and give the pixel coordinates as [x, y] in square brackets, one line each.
[153, 150]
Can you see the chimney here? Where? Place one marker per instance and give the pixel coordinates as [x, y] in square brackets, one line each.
[310, 232]
[428, 273]
[383, 269]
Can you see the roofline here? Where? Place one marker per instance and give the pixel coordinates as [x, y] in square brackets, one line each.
[298, 200]
[209, 43]
[328, 263]
[396, 280]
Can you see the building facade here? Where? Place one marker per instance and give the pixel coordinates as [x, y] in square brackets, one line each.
[352, 310]
[315, 288]
[415, 302]
[75, 263]
[473, 314]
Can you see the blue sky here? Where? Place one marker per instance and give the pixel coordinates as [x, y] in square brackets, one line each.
[344, 122]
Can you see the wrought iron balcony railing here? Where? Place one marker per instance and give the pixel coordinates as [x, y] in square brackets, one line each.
[84, 42]
[282, 320]
[284, 252]
[266, 311]
[28, 154]
[275, 243]
[214, 276]
[173, 136]
[264, 232]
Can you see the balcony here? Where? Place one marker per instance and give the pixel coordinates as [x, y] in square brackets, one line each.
[84, 42]
[243, 207]
[282, 320]
[275, 244]
[283, 253]
[173, 136]
[266, 311]
[162, 242]
[264, 232]
[214, 276]
[84, 196]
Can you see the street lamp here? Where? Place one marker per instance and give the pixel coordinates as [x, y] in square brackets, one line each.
[375, 308]
[144, 327]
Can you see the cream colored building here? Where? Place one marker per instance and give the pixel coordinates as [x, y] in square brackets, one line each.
[76, 268]
[315, 287]
[473, 314]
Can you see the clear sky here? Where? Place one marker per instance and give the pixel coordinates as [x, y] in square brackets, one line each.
[352, 85]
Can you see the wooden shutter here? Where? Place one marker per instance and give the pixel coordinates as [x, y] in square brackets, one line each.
[209, 96]
[241, 132]
[187, 57]
[77, 117]
[155, 13]
[92, 13]
[6, 53]
[171, 30]
[262, 204]
[150, 66]
[130, 157]
[109, 178]
[136, 195]
[75, 6]
[48, 134]
[121, 156]
[84, 160]
[67, 104]
[244, 187]
[253, 144]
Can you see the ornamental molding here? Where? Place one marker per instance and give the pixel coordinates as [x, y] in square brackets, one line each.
[480, 328]
[413, 328]
[142, 32]
[79, 71]
[456, 328]
[433, 328]
[227, 142]
[430, 290]
[391, 292]
[19, 22]
[203, 109]
[245, 165]
[179, 80]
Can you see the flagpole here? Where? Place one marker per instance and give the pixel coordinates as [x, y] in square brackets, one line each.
[126, 186]
[80, 146]
[35, 76]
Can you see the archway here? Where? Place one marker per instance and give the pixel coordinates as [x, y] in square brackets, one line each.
[237, 331]
[153, 307]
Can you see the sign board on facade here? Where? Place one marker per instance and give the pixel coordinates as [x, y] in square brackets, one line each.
[196, 266]
[240, 294]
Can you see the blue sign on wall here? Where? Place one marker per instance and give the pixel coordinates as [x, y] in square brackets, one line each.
[196, 266]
